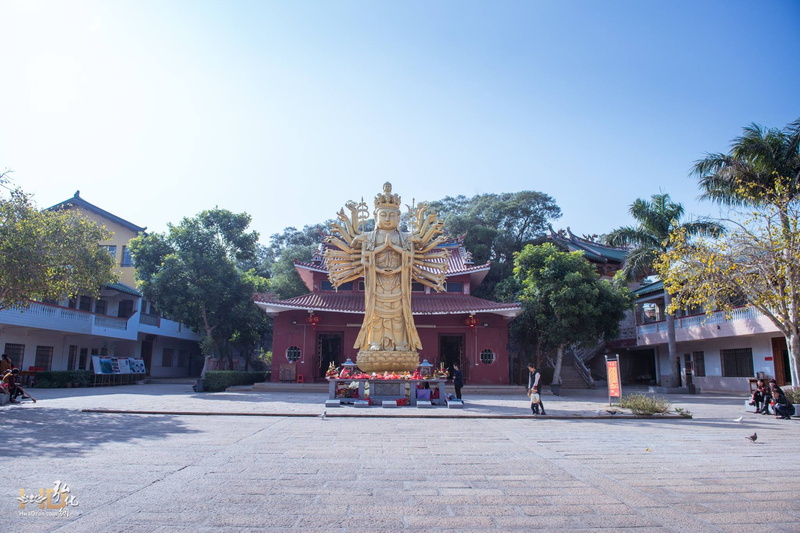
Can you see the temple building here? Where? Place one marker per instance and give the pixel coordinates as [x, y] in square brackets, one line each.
[320, 328]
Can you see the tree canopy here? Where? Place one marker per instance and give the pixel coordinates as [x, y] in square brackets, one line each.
[650, 238]
[564, 299]
[495, 226]
[758, 259]
[49, 255]
[192, 274]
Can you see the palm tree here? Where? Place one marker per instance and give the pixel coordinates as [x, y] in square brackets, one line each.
[650, 238]
[758, 161]
[757, 158]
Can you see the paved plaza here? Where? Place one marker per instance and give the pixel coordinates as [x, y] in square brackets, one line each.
[265, 461]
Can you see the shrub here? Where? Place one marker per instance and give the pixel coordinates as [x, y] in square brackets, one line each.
[219, 380]
[792, 394]
[639, 404]
[56, 379]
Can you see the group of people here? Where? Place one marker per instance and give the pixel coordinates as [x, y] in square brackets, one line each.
[8, 375]
[769, 394]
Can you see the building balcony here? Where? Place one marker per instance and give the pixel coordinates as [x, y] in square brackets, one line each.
[68, 320]
[741, 321]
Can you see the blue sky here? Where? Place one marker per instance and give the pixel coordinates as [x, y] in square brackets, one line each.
[158, 109]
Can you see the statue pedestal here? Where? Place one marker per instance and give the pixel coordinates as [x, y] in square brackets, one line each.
[380, 390]
[370, 361]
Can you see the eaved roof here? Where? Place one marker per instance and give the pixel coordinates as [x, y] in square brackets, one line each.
[649, 289]
[77, 201]
[459, 262]
[594, 251]
[353, 302]
[121, 287]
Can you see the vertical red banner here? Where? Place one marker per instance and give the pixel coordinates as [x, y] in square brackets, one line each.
[614, 389]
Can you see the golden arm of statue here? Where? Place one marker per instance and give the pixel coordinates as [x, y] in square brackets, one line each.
[434, 280]
[430, 246]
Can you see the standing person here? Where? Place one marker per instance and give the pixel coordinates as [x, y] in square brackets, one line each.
[5, 364]
[534, 386]
[458, 380]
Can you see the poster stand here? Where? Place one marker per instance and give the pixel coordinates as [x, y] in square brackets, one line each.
[117, 370]
[614, 383]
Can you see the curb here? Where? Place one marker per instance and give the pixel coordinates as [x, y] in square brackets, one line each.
[387, 415]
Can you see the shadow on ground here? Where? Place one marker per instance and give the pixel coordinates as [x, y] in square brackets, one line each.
[70, 433]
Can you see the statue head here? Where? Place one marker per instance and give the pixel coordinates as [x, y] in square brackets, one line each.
[387, 209]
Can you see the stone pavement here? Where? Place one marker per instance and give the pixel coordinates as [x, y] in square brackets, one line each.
[290, 470]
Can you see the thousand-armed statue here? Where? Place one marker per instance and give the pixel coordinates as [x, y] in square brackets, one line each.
[389, 259]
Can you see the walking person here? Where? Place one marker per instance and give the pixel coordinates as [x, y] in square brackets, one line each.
[534, 386]
[458, 380]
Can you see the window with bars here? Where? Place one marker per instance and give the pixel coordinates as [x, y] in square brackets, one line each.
[16, 352]
[72, 357]
[699, 359]
[183, 358]
[83, 359]
[487, 357]
[167, 357]
[737, 363]
[44, 357]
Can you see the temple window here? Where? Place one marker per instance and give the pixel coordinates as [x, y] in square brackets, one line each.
[293, 354]
[487, 357]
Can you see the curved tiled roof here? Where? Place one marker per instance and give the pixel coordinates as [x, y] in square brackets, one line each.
[421, 304]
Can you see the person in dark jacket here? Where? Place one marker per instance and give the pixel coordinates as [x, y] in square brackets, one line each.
[458, 380]
[534, 387]
[781, 405]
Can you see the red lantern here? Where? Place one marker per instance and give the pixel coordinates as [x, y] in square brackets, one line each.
[471, 321]
[313, 320]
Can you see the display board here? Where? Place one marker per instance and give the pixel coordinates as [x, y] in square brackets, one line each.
[117, 365]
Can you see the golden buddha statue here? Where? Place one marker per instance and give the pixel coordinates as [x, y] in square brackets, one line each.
[389, 260]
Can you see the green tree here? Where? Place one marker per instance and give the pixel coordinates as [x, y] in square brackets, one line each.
[276, 261]
[48, 255]
[494, 227]
[565, 302]
[759, 158]
[761, 172]
[192, 274]
[650, 238]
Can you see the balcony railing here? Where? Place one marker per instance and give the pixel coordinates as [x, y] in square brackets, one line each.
[111, 322]
[719, 317]
[149, 320]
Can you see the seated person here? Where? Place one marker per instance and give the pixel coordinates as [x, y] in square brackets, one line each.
[781, 405]
[761, 397]
[10, 381]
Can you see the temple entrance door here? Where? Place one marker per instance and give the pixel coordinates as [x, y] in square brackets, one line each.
[329, 350]
[451, 351]
[780, 361]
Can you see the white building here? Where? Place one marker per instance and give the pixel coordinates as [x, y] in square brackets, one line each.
[724, 351]
[64, 335]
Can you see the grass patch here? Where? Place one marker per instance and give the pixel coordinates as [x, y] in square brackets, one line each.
[639, 404]
[219, 380]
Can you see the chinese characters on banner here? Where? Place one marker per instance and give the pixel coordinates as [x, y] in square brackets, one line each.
[614, 387]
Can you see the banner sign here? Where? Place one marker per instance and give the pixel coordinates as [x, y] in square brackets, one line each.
[614, 386]
[117, 365]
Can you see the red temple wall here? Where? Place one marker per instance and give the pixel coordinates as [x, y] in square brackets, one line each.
[492, 336]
